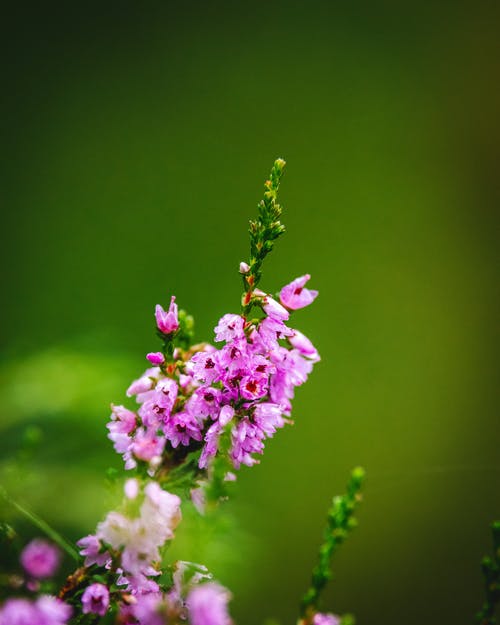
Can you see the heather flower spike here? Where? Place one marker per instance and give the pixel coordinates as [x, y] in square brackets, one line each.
[193, 418]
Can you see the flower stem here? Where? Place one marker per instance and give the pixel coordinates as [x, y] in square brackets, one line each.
[263, 233]
[491, 573]
[42, 525]
[340, 522]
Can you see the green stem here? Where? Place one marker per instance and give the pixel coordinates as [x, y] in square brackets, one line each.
[340, 522]
[42, 525]
[491, 573]
[263, 233]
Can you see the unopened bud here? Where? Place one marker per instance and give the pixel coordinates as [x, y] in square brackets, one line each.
[156, 358]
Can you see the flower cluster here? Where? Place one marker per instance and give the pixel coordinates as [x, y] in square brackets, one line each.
[202, 411]
[126, 552]
[192, 398]
[40, 560]
[244, 387]
[129, 543]
[187, 601]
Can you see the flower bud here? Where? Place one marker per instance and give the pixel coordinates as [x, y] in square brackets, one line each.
[167, 322]
[155, 358]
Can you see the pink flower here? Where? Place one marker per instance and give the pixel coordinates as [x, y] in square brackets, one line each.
[90, 547]
[211, 445]
[144, 383]
[18, 612]
[40, 558]
[147, 445]
[304, 345]
[225, 416]
[205, 367]
[95, 599]
[230, 327]
[155, 358]
[267, 417]
[207, 605]
[46, 610]
[326, 619]
[295, 296]
[275, 310]
[253, 387]
[167, 322]
[247, 439]
[182, 428]
[52, 611]
[204, 402]
[149, 609]
[123, 421]
[160, 513]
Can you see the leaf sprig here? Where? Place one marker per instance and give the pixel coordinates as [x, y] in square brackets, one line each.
[490, 567]
[263, 233]
[340, 522]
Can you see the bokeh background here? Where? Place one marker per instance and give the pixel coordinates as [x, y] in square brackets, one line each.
[136, 139]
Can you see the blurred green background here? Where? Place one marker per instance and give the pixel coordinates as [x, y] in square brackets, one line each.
[136, 139]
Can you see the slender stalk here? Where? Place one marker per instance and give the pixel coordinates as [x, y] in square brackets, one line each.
[340, 522]
[42, 525]
[491, 573]
[263, 233]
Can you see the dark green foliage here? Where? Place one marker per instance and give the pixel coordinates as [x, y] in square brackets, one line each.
[490, 567]
[340, 522]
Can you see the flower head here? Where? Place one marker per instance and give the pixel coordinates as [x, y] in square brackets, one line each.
[40, 558]
[91, 548]
[95, 599]
[230, 327]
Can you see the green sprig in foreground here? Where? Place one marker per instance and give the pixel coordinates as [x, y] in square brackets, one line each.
[491, 572]
[340, 522]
